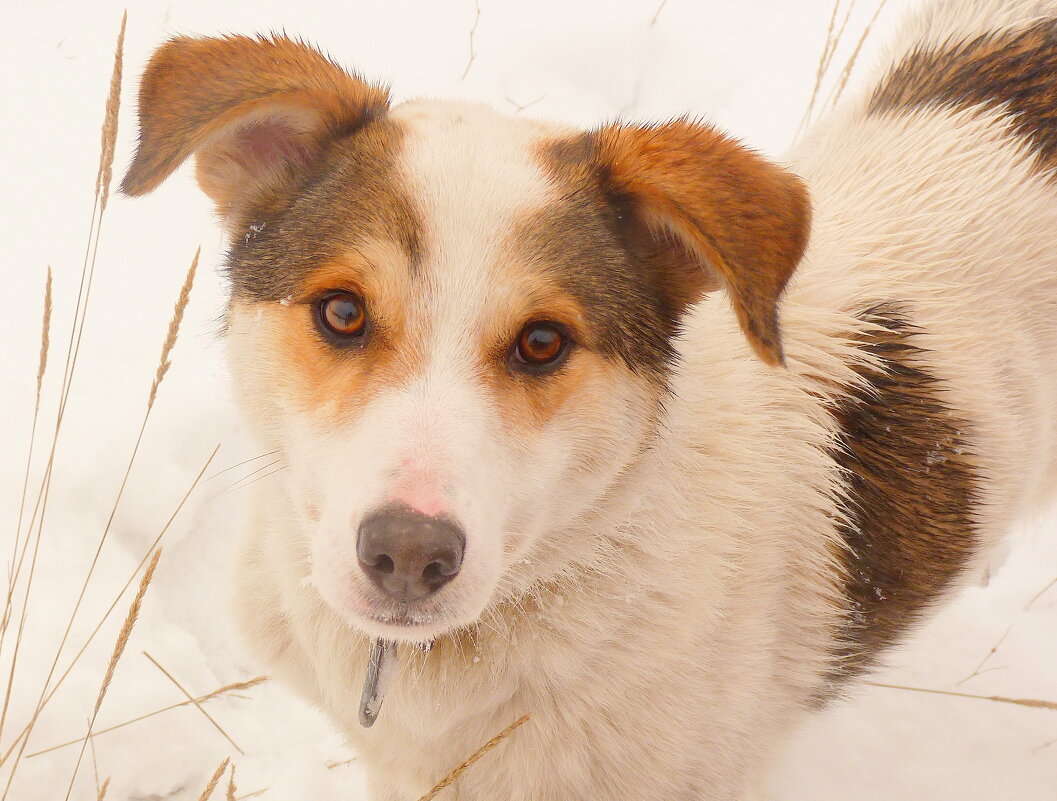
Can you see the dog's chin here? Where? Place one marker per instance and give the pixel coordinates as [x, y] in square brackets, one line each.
[412, 623]
[416, 628]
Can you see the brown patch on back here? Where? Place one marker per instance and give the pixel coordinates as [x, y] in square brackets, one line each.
[909, 495]
[1015, 73]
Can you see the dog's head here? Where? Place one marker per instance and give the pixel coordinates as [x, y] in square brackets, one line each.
[455, 326]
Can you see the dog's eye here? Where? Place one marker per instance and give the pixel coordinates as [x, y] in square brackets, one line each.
[540, 348]
[343, 317]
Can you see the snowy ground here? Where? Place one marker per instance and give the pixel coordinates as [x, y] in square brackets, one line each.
[748, 65]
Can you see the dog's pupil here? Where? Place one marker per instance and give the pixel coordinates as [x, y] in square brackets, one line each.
[345, 314]
[541, 343]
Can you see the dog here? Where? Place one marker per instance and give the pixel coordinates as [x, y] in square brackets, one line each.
[628, 430]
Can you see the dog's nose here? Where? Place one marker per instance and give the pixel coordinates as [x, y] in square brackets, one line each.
[409, 555]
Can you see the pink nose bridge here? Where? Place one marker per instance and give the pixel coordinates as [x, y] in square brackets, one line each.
[419, 487]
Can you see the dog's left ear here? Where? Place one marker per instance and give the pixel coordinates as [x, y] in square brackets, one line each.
[722, 211]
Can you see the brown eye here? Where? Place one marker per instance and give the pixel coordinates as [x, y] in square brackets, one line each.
[342, 317]
[540, 347]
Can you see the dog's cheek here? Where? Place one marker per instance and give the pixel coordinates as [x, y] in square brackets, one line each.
[572, 434]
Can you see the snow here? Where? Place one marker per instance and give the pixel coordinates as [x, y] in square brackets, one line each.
[748, 66]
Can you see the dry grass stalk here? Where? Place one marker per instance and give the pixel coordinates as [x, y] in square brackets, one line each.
[452, 777]
[254, 794]
[823, 65]
[119, 649]
[333, 764]
[221, 691]
[240, 464]
[42, 366]
[170, 340]
[850, 66]
[1040, 593]
[657, 13]
[109, 133]
[174, 329]
[214, 781]
[95, 763]
[22, 740]
[242, 481]
[73, 349]
[102, 790]
[191, 699]
[131, 578]
[1034, 703]
[829, 50]
[231, 785]
[979, 668]
[473, 33]
[45, 337]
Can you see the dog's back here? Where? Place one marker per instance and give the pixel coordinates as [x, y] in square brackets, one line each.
[935, 217]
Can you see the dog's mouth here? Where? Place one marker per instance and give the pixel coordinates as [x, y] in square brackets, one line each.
[405, 622]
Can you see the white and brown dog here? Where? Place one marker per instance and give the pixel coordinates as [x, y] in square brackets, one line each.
[647, 437]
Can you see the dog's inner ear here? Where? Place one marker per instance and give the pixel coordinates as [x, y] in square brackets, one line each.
[704, 212]
[255, 113]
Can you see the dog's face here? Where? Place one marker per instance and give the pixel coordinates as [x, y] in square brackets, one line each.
[454, 326]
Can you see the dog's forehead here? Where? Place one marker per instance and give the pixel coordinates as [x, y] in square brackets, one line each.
[474, 174]
[471, 170]
[449, 143]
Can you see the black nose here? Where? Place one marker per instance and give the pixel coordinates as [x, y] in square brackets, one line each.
[409, 555]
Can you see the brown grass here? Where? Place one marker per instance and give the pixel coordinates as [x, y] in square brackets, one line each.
[850, 66]
[823, 64]
[119, 650]
[473, 34]
[110, 122]
[1034, 703]
[174, 329]
[170, 340]
[453, 777]
[191, 699]
[109, 132]
[227, 689]
[214, 781]
[42, 367]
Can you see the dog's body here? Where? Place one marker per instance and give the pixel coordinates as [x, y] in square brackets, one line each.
[675, 553]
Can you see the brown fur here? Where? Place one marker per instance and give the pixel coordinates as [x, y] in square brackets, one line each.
[352, 202]
[736, 213]
[577, 245]
[255, 112]
[910, 490]
[1015, 73]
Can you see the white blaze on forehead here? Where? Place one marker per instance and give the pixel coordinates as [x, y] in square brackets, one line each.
[471, 172]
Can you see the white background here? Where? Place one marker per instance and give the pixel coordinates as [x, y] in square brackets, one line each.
[748, 65]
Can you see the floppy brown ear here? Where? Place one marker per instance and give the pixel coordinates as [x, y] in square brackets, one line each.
[254, 112]
[726, 208]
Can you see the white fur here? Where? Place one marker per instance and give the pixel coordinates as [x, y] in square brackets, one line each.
[696, 574]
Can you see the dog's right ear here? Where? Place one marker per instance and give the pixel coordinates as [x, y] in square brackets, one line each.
[255, 113]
